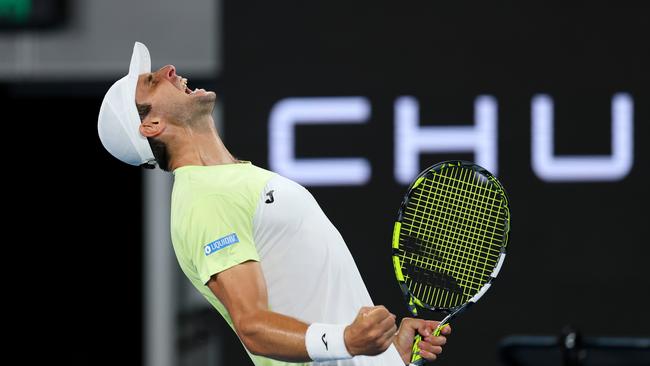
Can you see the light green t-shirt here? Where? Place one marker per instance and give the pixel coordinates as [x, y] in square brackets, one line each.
[212, 215]
[224, 215]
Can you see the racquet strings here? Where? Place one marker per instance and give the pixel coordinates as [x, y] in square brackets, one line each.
[452, 231]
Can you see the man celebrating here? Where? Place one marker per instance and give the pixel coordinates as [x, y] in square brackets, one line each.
[256, 245]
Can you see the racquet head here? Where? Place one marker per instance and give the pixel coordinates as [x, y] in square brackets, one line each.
[450, 237]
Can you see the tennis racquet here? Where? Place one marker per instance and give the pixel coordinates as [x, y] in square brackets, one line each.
[449, 240]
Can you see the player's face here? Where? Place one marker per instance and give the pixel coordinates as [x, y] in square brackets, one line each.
[170, 97]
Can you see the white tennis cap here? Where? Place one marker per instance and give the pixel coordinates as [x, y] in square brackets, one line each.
[119, 122]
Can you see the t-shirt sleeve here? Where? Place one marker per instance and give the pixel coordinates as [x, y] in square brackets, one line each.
[221, 235]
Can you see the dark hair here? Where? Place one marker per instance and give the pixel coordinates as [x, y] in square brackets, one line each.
[158, 147]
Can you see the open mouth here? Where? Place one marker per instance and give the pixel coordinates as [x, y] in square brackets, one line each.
[184, 86]
[186, 89]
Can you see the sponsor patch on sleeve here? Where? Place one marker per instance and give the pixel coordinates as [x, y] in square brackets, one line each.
[220, 243]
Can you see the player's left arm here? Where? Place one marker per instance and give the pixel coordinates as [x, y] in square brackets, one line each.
[430, 346]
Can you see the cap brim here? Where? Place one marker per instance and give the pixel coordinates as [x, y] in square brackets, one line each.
[140, 64]
[140, 60]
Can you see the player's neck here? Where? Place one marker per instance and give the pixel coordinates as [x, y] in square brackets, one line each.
[198, 146]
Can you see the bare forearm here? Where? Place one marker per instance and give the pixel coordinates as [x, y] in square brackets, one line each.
[275, 336]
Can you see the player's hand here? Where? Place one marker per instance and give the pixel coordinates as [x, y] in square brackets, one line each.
[371, 333]
[430, 346]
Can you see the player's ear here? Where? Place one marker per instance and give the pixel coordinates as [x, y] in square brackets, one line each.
[152, 126]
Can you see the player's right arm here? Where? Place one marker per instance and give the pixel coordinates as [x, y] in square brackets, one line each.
[242, 290]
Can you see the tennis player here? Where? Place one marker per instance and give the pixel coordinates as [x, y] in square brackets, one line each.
[256, 245]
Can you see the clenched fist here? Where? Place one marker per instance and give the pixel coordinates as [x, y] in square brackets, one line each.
[371, 333]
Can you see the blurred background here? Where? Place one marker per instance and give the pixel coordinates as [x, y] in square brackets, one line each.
[553, 97]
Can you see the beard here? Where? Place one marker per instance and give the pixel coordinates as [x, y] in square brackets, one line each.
[194, 112]
[204, 104]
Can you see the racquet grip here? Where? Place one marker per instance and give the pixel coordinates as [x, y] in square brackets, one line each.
[416, 359]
